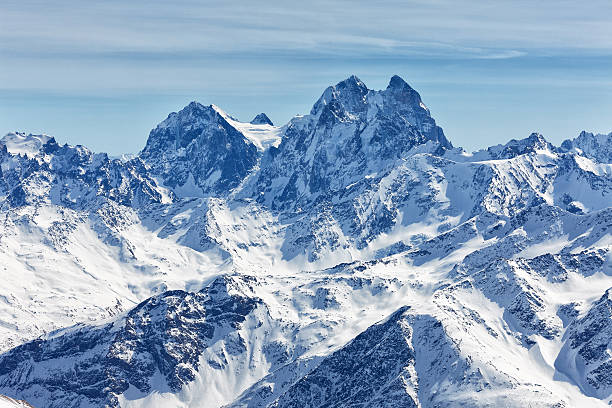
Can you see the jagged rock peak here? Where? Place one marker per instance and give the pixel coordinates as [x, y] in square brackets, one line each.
[397, 82]
[199, 152]
[262, 119]
[398, 91]
[535, 141]
[347, 95]
[350, 100]
[595, 146]
[515, 148]
[193, 107]
[352, 83]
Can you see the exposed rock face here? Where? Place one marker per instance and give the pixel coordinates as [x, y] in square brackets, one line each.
[594, 146]
[351, 257]
[350, 130]
[197, 152]
[376, 368]
[514, 148]
[332, 165]
[157, 344]
[586, 356]
[262, 119]
[74, 177]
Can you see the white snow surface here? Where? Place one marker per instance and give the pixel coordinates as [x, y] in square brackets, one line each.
[7, 402]
[505, 249]
[261, 135]
[26, 144]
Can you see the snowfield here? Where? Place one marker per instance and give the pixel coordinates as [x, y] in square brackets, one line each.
[7, 402]
[352, 257]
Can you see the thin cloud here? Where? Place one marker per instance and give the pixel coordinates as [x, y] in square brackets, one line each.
[503, 55]
[183, 26]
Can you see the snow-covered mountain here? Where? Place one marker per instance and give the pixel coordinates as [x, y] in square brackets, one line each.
[351, 257]
[20, 143]
[198, 152]
[598, 147]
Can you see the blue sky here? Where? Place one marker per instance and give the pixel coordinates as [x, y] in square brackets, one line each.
[103, 74]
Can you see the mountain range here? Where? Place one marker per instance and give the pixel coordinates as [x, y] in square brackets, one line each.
[352, 257]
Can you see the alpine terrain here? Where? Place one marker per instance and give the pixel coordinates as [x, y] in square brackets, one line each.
[350, 258]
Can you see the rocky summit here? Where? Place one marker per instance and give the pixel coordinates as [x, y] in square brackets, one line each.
[352, 257]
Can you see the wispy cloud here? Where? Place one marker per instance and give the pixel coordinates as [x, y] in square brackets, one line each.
[243, 26]
[502, 54]
[88, 46]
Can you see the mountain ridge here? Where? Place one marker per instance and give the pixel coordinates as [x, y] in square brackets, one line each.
[359, 218]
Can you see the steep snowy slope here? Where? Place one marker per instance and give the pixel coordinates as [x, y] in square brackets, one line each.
[75, 243]
[585, 356]
[7, 402]
[351, 256]
[213, 345]
[260, 131]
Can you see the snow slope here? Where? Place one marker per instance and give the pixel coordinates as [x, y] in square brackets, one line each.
[7, 402]
[260, 131]
[20, 143]
[351, 256]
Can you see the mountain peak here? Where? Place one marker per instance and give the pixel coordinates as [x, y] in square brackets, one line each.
[262, 119]
[351, 82]
[352, 85]
[537, 140]
[22, 143]
[532, 143]
[347, 95]
[402, 95]
[194, 104]
[595, 146]
[351, 100]
[397, 82]
[197, 151]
